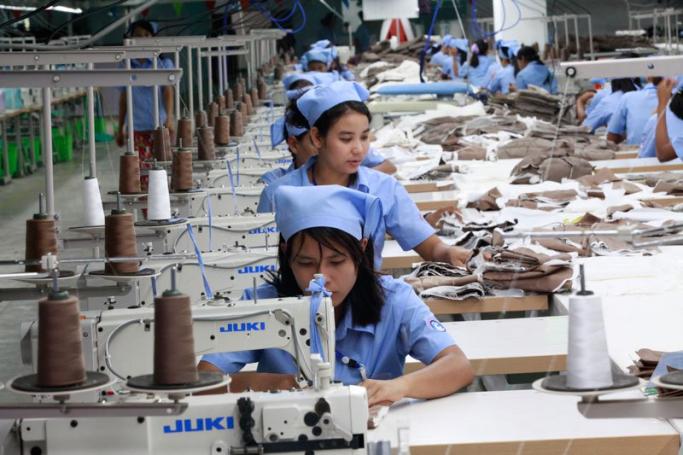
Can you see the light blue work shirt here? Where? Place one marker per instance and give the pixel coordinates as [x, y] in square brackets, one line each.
[476, 76]
[143, 97]
[402, 219]
[274, 174]
[406, 327]
[632, 113]
[601, 114]
[447, 66]
[372, 159]
[599, 95]
[536, 73]
[647, 145]
[501, 80]
[438, 58]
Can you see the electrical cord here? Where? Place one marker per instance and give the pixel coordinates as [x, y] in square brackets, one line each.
[428, 42]
[29, 14]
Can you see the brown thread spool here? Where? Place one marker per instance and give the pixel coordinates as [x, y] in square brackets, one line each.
[212, 112]
[262, 89]
[254, 97]
[181, 170]
[236, 125]
[221, 130]
[200, 119]
[129, 174]
[120, 241]
[279, 72]
[185, 132]
[249, 108]
[229, 99]
[243, 113]
[161, 147]
[238, 90]
[41, 239]
[60, 352]
[220, 100]
[205, 149]
[174, 356]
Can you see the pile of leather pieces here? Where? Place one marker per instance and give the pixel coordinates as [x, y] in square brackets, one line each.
[447, 131]
[382, 51]
[554, 165]
[666, 182]
[473, 235]
[534, 102]
[441, 172]
[586, 147]
[493, 268]
[648, 360]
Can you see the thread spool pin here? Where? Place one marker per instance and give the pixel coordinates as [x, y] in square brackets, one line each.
[582, 280]
[174, 286]
[41, 203]
[55, 280]
[253, 284]
[118, 201]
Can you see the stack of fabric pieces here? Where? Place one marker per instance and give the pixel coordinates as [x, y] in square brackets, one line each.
[534, 102]
[552, 166]
[492, 270]
[645, 365]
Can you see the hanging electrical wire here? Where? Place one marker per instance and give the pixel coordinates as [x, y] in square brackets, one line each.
[428, 42]
[29, 14]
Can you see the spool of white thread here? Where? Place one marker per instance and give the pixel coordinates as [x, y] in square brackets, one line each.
[93, 214]
[158, 200]
[588, 362]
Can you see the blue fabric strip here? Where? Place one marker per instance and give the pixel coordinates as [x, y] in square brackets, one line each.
[318, 292]
[200, 260]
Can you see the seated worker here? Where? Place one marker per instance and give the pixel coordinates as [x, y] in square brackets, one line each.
[669, 130]
[339, 124]
[532, 71]
[631, 114]
[606, 106]
[502, 77]
[143, 106]
[457, 51]
[477, 67]
[316, 60]
[438, 57]
[379, 320]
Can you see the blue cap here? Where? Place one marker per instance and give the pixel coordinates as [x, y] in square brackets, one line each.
[297, 92]
[459, 43]
[321, 98]
[324, 78]
[318, 55]
[290, 78]
[446, 39]
[278, 128]
[512, 48]
[322, 44]
[302, 207]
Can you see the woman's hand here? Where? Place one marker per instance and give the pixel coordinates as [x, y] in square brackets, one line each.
[664, 90]
[459, 256]
[120, 139]
[384, 393]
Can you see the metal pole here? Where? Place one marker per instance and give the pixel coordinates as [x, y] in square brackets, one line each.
[590, 36]
[220, 72]
[576, 36]
[176, 97]
[129, 112]
[199, 80]
[31, 137]
[91, 128]
[190, 84]
[209, 70]
[47, 151]
[226, 85]
[5, 155]
[155, 96]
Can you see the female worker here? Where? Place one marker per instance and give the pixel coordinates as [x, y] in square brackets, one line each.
[605, 107]
[500, 80]
[379, 320]
[457, 50]
[532, 71]
[339, 124]
[477, 66]
[669, 129]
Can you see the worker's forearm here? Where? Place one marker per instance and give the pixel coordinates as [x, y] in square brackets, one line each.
[442, 377]
[663, 147]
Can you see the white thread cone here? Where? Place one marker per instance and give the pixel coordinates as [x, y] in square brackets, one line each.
[158, 200]
[588, 361]
[93, 213]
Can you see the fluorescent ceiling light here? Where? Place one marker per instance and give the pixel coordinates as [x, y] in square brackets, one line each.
[61, 9]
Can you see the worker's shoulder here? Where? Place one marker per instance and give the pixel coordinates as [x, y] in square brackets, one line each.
[399, 296]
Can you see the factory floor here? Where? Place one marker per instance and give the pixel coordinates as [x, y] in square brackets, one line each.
[18, 202]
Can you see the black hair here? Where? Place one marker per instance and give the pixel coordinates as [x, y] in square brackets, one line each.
[529, 54]
[462, 56]
[366, 297]
[483, 49]
[656, 80]
[676, 104]
[625, 85]
[142, 23]
[328, 118]
[300, 83]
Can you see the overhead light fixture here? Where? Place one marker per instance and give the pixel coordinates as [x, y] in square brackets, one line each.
[61, 9]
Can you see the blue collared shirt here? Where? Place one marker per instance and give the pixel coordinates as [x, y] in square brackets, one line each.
[647, 145]
[632, 113]
[477, 76]
[143, 97]
[536, 73]
[438, 58]
[406, 327]
[599, 95]
[402, 219]
[272, 175]
[603, 111]
[674, 129]
[501, 80]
